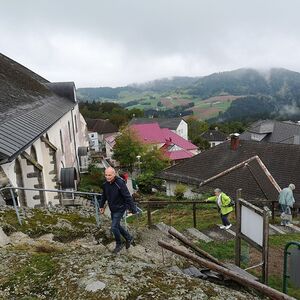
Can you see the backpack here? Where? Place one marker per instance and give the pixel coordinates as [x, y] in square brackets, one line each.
[232, 203]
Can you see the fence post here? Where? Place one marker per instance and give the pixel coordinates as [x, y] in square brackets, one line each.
[265, 269]
[149, 215]
[273, 212]
[238, 228]
[194, 215]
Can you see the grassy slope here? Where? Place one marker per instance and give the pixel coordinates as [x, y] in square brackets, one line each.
[180, 217]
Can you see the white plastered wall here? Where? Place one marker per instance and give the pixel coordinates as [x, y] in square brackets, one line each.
[170, 190]
[67, 158]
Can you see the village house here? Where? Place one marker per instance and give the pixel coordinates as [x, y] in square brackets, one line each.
[43, 137]
[214, 137]
[254, 167]
[171, 144]
[110, 142]
[99, 129]
[271, 131]
[177, 125]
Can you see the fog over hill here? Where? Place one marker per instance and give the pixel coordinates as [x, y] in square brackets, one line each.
[273, 93]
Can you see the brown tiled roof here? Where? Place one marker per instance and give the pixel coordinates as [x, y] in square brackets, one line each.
[282, 161]
[101, 126]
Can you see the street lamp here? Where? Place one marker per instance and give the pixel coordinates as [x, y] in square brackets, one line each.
[139, 164]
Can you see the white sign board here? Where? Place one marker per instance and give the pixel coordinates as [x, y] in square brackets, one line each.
[252, 225]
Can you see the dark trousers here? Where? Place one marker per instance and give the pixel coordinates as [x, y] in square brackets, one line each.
[224, 219]
[116, 227]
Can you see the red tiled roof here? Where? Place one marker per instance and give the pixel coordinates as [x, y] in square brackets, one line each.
[177, 140]
[179, 154]
[149, 133]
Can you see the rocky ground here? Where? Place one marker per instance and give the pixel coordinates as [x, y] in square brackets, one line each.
[61, 254]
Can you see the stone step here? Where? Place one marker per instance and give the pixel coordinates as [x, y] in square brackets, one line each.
[228, 230]
[296, 228]
[194, 272]
[196, 234]
[277, 229]
[237, 269]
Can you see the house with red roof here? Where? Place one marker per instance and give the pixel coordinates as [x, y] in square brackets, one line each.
[175, 147]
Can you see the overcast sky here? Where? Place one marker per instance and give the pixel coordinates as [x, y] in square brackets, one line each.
[117, 42]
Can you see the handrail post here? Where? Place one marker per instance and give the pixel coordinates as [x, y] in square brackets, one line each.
[97, 216]
[15, 206]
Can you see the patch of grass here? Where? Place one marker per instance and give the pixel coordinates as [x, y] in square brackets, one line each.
[33, 278]
[180, 216]
[221, 250]
[280, 240]
[42, 223]
[276, 283]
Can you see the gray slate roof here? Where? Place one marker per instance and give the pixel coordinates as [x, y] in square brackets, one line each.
[28, 107]
[163, 123]
[101, 126]
[214, 136]
[273, 132]
[280, 159]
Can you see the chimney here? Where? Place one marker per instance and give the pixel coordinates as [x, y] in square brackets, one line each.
[234, 141]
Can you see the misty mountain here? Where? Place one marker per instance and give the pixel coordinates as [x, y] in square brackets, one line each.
[155, 86]
[273, 94]
[166, 84]
[274, 82]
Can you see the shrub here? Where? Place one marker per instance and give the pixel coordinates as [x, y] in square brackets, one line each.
[180, 189]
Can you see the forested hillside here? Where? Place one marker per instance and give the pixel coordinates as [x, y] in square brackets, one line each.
[236, 95]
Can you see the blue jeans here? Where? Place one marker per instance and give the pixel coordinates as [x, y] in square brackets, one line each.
[225, 219]
[117, 229]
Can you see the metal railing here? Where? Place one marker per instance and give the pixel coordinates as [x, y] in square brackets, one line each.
[94, 200]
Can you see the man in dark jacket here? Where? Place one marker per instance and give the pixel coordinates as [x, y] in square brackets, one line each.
[116, 193]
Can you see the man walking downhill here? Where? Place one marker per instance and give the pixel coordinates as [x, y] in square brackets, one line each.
[286, 201]
[223, 202]
[116, 193]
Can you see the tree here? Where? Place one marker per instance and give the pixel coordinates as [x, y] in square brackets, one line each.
[153, 161]
[127, 148]
[196, 128]
[201, 143]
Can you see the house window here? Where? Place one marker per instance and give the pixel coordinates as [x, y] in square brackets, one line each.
[61, 142]
[69, 127]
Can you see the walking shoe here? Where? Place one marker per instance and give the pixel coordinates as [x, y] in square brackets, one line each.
[222, 226]
[128, 243]
[228, 226]
[118, 248]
